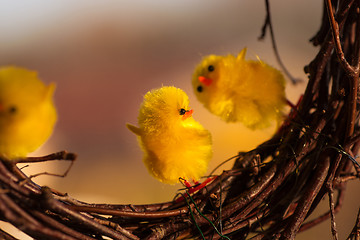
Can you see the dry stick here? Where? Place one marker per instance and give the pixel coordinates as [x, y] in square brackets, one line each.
[355, 233]
[256, 195]
[13, 185]
[142, 215]
[62, 155]
[347, 178]
[329, 188]
[324, 28]
[113, 225]
[230, 226]
[247, 196]
[334, 169]
[332, 214]
[268, 23]
[10, 204]
[119, 207]
[317, 66]
[28, 225]
[336, 38]
[12, 179]
[31, 223]
[60, 227]
[180, 234]
[27, 179]
[222, 182]
[4, 170]
[354, 82]
[278, 180]
[356, 62]
[352, 72]
[166, 229]
[325, 216]
[354, 140]
[129, 208]
[353, 75]
[219, 183]
[251, 194]
[181, 223]
[338, 205]
[47, 233]
[170, 227]
[18, 174]
[6, 236]
[60, 208]
[308, 197]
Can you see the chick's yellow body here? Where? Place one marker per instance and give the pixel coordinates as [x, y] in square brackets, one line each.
[174, 144]
[239, 90]
[27, 112]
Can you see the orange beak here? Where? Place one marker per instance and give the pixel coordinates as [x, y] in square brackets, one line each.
[187, 114]
[205, 81]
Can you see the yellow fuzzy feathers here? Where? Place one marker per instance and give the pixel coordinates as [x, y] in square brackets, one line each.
[27, 112]
[174, 144]
[240, 90]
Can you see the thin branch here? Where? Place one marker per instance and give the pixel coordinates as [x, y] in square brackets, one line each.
[6, 236]
[268, 24]
[268, 193]
[305, 202]
[336, 38]
[119, 213]
[332, 213]
[62, 155]
[355, 233]
[327, 215]
[60, 208]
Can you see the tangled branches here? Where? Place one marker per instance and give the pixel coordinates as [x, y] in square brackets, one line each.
[269, 192]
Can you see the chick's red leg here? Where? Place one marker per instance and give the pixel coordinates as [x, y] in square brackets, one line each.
[198, 186]
[187, 184]
[294, 107]
[291, 104]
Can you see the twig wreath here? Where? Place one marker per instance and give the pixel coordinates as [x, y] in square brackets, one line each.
[269, 192]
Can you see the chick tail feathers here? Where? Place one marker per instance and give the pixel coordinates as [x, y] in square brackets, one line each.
[134, 129]
[50, 91]
[241, 55]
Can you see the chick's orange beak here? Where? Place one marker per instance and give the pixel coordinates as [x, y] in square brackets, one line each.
[187, 114]
[205, 81]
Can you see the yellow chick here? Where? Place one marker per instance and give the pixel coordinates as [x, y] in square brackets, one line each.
[27, 112]
[239, 90]
[174, 144]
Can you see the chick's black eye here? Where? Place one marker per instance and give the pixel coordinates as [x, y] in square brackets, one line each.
[182, 111]
[12, 109]
[199, 89]
[211, 68]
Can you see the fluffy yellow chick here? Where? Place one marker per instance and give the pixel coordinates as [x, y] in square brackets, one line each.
[239, 90]
[174, 144]
[27, 112]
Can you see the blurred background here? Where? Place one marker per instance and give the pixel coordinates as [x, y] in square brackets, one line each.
[105, 55]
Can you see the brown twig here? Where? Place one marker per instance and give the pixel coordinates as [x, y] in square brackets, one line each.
[62, 155]
[268, 24]
[268, 193]
[332, 213]
[355, 233]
